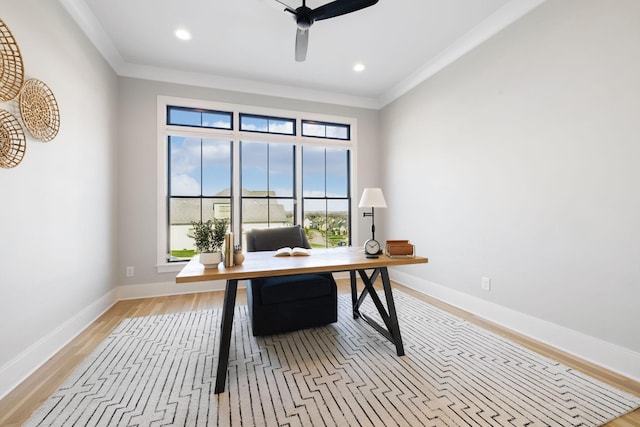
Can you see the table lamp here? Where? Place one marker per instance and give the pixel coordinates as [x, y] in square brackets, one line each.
[372, 198]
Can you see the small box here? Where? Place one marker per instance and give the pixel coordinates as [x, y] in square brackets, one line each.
[399, 249]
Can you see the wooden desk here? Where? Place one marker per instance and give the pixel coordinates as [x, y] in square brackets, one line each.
[264, 264]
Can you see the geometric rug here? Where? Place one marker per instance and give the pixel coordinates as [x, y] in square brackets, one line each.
[160, 370]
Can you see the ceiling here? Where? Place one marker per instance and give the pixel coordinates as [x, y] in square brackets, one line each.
[248, 45]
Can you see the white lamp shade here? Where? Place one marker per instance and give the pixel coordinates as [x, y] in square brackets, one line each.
[372, 198]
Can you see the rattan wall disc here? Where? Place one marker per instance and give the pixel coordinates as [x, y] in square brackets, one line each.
[39, 110]
[12, 140]
[11, 68]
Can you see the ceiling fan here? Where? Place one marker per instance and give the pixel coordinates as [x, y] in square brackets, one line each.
[305, 17]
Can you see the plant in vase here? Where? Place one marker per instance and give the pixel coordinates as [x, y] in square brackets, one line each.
[209, 238]
[220, 226]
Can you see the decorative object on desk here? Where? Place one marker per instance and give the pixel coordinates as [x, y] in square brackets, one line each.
[12, 140]
[400, 249]
[12, 72]
[220, 226]
[372, 198]
[372, 248]
[228, 250]
[287, 251]
[39, 110]
[209, 237]
[238, 255]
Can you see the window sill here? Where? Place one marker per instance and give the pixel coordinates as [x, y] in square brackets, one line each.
[170, 267]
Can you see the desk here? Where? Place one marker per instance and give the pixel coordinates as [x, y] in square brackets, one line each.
[264, 264]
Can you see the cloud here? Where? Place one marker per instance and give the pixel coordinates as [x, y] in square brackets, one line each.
[184, 185]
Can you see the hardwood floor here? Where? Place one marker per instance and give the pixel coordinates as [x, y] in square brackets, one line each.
[17, 406]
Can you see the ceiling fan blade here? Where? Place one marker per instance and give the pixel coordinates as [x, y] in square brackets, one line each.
[339, 7]
[302, 41]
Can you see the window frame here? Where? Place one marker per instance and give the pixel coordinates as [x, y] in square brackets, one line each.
[236, 135]
[325, 124]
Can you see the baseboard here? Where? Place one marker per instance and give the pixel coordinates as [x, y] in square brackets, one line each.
[27, 362]
[594, 350]
[161, 289]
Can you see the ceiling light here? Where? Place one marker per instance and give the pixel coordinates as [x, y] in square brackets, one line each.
[183, 34]
[359, 67]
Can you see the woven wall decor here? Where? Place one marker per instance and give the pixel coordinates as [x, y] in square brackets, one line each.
[12, 140]
[39, 110]
[11, 68]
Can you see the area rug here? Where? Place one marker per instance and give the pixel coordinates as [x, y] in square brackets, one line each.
[160, 371]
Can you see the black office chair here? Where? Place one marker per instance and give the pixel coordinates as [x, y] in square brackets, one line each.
[288, 303]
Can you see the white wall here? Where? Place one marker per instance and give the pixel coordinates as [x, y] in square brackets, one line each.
[57, 208]
[519, 162]
[137, 169]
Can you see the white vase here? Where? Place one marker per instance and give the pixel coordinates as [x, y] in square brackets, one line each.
[210, 259]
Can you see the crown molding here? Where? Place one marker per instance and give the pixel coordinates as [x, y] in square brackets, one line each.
[90, 25]
[499, 20]
[243, 85]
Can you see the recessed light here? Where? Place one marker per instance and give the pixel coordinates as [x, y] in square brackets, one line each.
[183, 34]
[359, 67]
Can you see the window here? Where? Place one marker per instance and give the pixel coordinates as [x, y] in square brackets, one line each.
[326, 195]
[325, 130]
[267, 176]
[199, 187]
[252, 123]
[199, 118]
[220, 160]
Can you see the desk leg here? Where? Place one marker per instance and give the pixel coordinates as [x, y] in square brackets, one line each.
[228, 310]
[394, 327]
[354, 294]
[392, 331]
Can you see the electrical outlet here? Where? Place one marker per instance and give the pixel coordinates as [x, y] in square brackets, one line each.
[486, 284]
[130, 271]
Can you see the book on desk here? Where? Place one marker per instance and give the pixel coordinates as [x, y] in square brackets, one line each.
[287, 251]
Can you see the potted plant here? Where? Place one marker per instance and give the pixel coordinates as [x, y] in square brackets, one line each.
[209, 238]
[220, 226]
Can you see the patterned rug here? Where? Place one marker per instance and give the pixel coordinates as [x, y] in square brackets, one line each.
[159, 370]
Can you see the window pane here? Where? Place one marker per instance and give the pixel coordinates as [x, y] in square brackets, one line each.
[267, 124]
[255, 213]
[314, 221]
[337, 223]
[281, 126]
[254, 168]
[212, 119]
[337, 172]
[313, 129]
[281, 172]
[337, 132]
[265, 213]
[195, 117]
[326, 130]
[216, 167]
[254, 123]
[216, 208]
[281, 212]
[184, 158]
[181, 213]
[313, 171]
[184, 117]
